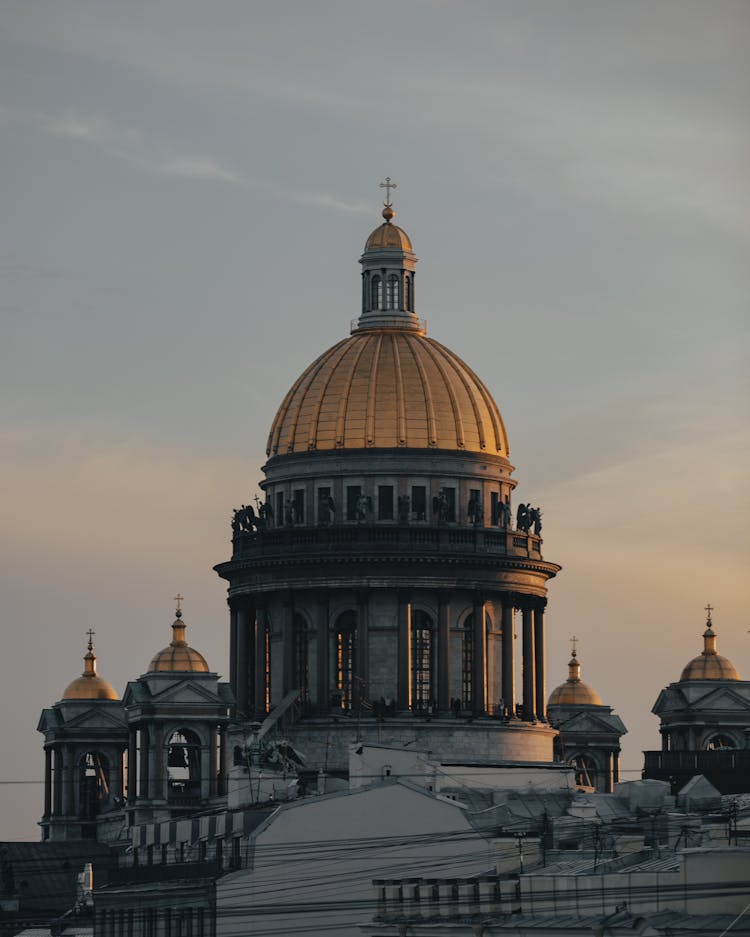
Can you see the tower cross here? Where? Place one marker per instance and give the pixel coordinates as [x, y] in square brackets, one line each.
[178, 599]
[91, 634]
[388, 185]
[708, 611]
[573, 645]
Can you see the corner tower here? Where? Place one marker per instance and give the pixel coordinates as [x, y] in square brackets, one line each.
[379, 580]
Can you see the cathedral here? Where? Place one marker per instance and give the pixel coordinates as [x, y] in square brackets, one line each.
[384, 591]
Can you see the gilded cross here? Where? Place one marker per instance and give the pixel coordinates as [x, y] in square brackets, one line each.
[91, 634]
[573, 644]
[708, 611]
[178, 599]
[388, 185]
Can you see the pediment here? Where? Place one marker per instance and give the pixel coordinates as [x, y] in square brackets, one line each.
[95, 718]
[186, 692]
[588, 722]
[723, 698]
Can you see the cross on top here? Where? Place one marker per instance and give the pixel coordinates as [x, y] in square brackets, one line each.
[91, 634]
[178, 599]
[708, 610]
[388, 185]
[574, 644]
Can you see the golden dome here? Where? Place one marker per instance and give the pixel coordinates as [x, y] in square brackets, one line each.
[387, 388]
[709, 664]
[178, 656]
[574, 692]
[388, 237]
[90, 685]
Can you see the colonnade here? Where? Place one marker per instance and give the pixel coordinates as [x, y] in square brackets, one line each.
[63, 767]
[251, 647]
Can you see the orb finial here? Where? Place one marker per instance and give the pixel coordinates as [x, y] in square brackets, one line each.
[178, 625]
[388, 209]
[708, 610]
[178, 599]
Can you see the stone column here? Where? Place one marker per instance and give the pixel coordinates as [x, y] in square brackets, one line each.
[206, 778]
[132, 767]
[223, 761]
[68, 783]
[156, 769]
[539, 648]
[143, 766]
[529, 697]
[287, 644]
[479, 661]
[260, 662]
[58, 775]
[444, 652]
[244, 623]
[615, 768]
[509, 690]
[323, 697]
[47, 782]
[403, 666]
[213, 768]
[362, 686]
[233, 656]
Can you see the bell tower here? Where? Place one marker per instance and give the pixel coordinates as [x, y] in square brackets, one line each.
[177, 718]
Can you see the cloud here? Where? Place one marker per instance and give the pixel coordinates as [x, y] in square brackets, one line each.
[132, 146]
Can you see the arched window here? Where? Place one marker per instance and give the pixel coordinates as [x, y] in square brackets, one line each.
[301, 659]
[408, 305]
[93, 780]
[346, 644]
[376, 293]
[392, 295]
[585, 767]
[719, 743]
[422, 662]
[183, 765]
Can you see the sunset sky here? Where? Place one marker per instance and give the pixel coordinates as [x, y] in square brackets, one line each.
[186, 190]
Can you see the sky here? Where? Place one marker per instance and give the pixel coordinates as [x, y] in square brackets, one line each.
[186, 190]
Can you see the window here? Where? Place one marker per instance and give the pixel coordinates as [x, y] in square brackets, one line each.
[352, 495]
[346, 638]
[409, 299]
[494, 512]
[376, 293]
[279, 508]
[325, 506]
[392, 294]
[422, 662]
[301, 658]
[183, 765]
[474, 509]
[585, 768]
[385, 502]
[718, 743]
[299, 506]
[419, 502]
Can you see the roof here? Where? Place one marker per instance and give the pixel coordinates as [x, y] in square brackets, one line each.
[385, 388]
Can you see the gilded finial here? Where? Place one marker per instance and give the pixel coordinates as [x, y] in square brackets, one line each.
[178, 625]
[708, 610]
[388, 209]
[573, 646]
[178, 599]
[91, 634]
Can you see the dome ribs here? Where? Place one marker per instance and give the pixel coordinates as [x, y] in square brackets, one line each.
[429, 403]
[274, 437]
[371, 393]
[399, 382]
[312, 439]
[432, 351]
[501, 439]
[346, 390]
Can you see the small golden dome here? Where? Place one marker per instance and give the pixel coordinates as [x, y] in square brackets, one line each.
[386, 388]
[574, 692]
[388, 237]
[709, 664]
[178, 657]
[90, 685]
